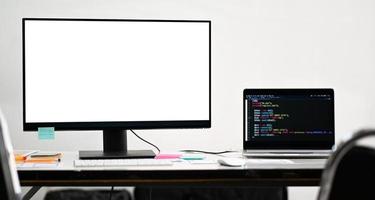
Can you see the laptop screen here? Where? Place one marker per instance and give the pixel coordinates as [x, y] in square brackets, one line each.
[288, 118]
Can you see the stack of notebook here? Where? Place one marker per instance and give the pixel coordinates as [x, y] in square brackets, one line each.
[37, 159]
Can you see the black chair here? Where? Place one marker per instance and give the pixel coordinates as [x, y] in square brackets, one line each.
[210, 193]
[350, 171]
[79, 194]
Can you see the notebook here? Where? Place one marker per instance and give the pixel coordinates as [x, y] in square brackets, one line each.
[288, 122]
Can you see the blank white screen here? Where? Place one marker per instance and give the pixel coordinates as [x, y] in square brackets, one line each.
[87, 71]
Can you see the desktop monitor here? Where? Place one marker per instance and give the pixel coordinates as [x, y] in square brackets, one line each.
[115, 75]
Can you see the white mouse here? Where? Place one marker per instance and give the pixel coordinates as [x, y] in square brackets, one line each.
[232, 162]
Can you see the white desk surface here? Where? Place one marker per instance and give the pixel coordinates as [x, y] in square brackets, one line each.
[66, 164]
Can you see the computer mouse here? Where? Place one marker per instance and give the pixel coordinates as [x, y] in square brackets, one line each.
[232, 162]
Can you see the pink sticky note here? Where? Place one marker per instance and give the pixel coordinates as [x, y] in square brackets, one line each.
[167, 156]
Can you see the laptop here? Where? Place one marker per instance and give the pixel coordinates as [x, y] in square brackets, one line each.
[291, 123]
[9, 184]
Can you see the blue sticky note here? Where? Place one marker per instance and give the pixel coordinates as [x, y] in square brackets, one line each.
[192, 157]
[46, 133]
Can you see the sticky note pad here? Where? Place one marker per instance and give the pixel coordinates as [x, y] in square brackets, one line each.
[167, 156]
[192, 157]
[46, 133]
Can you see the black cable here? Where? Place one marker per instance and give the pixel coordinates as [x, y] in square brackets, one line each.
[110, 193]
[206, 152]
[146, 141]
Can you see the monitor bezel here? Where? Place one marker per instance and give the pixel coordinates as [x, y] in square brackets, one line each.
[100, 125]
[293, 145]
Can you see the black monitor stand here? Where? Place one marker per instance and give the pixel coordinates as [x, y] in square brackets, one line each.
[115, 147]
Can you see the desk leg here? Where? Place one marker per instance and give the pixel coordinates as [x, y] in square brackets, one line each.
[33, 190]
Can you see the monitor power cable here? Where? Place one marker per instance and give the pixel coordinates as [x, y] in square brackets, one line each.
[145, 141]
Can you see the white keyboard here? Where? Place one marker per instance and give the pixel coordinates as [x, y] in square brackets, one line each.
[122, 163]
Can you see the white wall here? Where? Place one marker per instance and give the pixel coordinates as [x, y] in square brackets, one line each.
[255, 43]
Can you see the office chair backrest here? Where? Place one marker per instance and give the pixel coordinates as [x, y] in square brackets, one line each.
[350, 171]
[9, 183]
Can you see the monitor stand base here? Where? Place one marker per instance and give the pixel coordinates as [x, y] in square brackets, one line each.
[130, 154]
